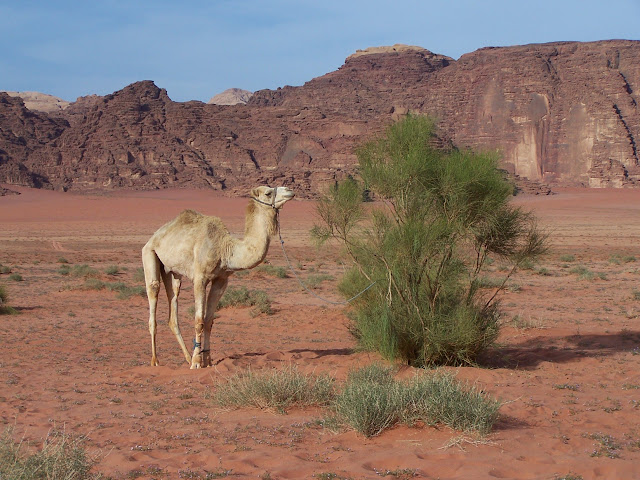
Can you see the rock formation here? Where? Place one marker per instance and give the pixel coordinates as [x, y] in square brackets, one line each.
[560, 113]
[231, 96]
[41, 102]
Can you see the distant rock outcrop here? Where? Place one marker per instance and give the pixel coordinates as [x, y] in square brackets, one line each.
[559, 113]
[41, 102]
[231, 96]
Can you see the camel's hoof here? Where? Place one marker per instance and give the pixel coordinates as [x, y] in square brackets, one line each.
[154, 362]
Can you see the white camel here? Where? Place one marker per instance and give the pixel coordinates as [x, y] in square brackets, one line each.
[201, 248]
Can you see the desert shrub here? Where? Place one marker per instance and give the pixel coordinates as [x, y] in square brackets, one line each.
[5, 269]
[64, 269]
[61, 458]
[444, 214]
[272, 270]
[567, 258]
[62, 260]
[243, 297]
[138, 275]
[316, 279]
[84, 270]
[4, 298]
[618, 258]
[372, 401]
[112, 270]
[126, 291]
[635, 294]
[92, 283]
[278, 389]
[16, 277]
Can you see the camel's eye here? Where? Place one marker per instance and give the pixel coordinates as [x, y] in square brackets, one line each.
[268, 194]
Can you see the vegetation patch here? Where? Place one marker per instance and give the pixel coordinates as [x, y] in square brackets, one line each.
[61, 457]
[278, 390]
[243, 297]
[372, 401]
[84, 270]
[272, 270]
[4, 298]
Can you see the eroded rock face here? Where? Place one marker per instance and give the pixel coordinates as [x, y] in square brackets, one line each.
[562, 113]
[231, 96]
[41, 102]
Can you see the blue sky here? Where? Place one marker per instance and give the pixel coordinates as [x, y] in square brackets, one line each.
[198, 48]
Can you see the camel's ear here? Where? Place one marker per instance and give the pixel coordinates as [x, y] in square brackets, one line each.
[255, 193]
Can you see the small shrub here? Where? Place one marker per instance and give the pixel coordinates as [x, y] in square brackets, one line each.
[567, 258]
[62, 260]
[243, 297]
[635, 294]
[372, 401]
[61, 457]
[138, 275]
[16, 277]
[84, 271]
[93, 284]
[64, 269]
[4, 308]
[5, 269]
[583, 272]
[617, 259]
[279, 390]
[125, 291]
[112, 270]
[272, 270]
[315, 280]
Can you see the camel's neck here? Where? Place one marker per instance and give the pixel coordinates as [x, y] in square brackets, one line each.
[260, 224]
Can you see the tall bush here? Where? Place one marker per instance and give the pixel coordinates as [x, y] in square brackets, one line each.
[442, 214]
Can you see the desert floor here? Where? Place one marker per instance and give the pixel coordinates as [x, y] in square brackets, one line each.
[566, 367]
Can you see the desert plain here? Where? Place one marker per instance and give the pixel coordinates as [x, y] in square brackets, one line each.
[566, 366]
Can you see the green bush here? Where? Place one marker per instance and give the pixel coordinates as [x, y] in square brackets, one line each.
[373, 401]
[444, 214]
[243, 297]
[278, 389]
[16, 277]
[61, 458]
[5, 269]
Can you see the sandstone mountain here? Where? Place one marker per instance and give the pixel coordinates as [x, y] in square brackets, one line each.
[231, 96]
[560, 113]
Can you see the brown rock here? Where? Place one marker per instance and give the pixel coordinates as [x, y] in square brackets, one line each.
[560, 113]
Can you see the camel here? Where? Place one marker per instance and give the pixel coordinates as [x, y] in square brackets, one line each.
[201, 248]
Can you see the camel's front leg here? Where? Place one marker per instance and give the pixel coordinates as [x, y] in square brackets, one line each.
[218, 286]
[199, 289]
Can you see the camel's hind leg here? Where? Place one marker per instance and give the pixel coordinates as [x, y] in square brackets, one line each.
[218, 286]
[152, 274]
[172, 282]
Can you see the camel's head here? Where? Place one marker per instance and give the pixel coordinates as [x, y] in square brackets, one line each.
[274, 197]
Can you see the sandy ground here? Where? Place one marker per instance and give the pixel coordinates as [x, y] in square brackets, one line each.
[566, 367]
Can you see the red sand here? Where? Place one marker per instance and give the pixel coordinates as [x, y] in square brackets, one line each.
[566, 367]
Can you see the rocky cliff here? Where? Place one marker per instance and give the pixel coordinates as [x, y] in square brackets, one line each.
[562, 113]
